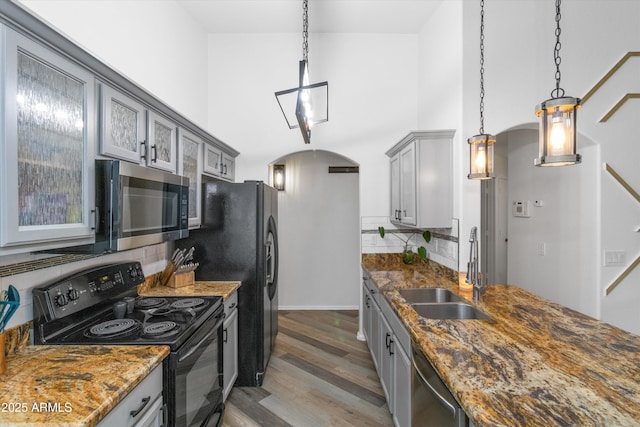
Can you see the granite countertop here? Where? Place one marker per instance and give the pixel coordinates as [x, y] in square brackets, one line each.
[69, 385]
[534, 363]
[203, 289]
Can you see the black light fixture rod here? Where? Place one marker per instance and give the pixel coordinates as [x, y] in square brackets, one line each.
[558, 92]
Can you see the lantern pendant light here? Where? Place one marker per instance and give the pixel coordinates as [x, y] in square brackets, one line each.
[558, 119]
[481, 146]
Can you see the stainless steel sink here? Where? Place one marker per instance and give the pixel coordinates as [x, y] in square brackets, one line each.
[449, 311]
[428, 295]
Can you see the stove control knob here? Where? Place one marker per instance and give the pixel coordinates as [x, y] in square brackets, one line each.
[61, 300]
[73, 294]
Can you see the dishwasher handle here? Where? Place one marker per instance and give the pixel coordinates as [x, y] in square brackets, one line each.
[442, 399]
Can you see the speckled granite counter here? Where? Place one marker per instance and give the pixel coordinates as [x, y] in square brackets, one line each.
[71, 385]
[204, 289]
[534, 363]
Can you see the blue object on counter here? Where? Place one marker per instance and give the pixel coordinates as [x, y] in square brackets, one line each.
[10, 304]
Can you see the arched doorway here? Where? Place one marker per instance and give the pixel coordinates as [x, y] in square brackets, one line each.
[319, 231]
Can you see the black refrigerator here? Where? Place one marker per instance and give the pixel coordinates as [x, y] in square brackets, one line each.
[238, 240]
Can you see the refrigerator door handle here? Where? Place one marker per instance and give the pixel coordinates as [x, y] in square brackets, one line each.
[268, 255]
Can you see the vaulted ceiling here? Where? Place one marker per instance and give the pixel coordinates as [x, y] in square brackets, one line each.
[325, 16]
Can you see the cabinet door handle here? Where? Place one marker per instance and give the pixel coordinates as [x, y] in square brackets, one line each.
[143, 149]
[155, 153]
[391, 353]
[225, 333]
[387, 341]
[95, 218]
[225, 170]
[367, 302]
[145, 401]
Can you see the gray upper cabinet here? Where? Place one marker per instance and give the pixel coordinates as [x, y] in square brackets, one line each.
[60, 107]
[218, 164]
[228, 167]
[122, 127]
[131, 132]
[48, 135]
[161, 150]
[190, 165]
[422, 179]
[212, 160]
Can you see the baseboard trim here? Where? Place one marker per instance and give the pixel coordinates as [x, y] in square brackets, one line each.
[318, 307]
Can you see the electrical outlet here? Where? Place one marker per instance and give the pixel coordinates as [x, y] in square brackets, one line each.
[542, 249]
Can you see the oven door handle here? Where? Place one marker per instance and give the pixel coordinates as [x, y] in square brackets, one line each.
[214, 330]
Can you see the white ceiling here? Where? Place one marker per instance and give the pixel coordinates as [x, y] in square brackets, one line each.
[325, 16]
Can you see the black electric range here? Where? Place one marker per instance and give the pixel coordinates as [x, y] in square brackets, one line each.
[80, 309]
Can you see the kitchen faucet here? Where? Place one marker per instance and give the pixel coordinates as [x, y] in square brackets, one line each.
[473, 274]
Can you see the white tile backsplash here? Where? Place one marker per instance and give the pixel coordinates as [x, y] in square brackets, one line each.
[444, 251]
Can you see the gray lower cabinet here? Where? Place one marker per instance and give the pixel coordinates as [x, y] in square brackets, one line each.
[390, 344]
[230, 344]
[371, 320]
[143, 406]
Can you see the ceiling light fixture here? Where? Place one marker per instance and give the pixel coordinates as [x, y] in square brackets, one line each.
[481, 145]
[306, 101]
[558, 119]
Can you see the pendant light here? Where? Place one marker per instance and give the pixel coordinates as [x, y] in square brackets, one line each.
[481, 145]
[308, 104]
[558, 119]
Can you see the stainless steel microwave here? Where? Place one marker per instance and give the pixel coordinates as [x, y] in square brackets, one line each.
[138, 206]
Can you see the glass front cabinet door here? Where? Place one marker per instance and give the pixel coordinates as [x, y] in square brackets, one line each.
[123, 120]
[190, 165]
[161, 153]
[48, 134]
[130, 131]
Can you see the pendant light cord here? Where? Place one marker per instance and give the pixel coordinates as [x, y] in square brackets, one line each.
[481, 67]
[305, 30]
[558, 92]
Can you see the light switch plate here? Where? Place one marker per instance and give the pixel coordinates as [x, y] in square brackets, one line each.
[614, 258]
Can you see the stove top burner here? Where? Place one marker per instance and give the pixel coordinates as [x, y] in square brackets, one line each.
[160, 328]
[150, 302]
[113, 328]
[187, 303]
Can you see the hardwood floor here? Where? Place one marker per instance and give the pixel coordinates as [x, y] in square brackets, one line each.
[319, 375]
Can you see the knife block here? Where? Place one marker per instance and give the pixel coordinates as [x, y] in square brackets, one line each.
[180, 280]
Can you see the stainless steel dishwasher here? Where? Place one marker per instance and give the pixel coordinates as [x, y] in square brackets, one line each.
[432, 404]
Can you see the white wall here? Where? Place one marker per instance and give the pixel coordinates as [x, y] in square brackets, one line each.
[440, 87]
[154, 44]
[372, 100]
[319, 233]
[547, 250]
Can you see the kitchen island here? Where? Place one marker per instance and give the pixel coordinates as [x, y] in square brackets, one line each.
[534, 363]
[68, 385]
